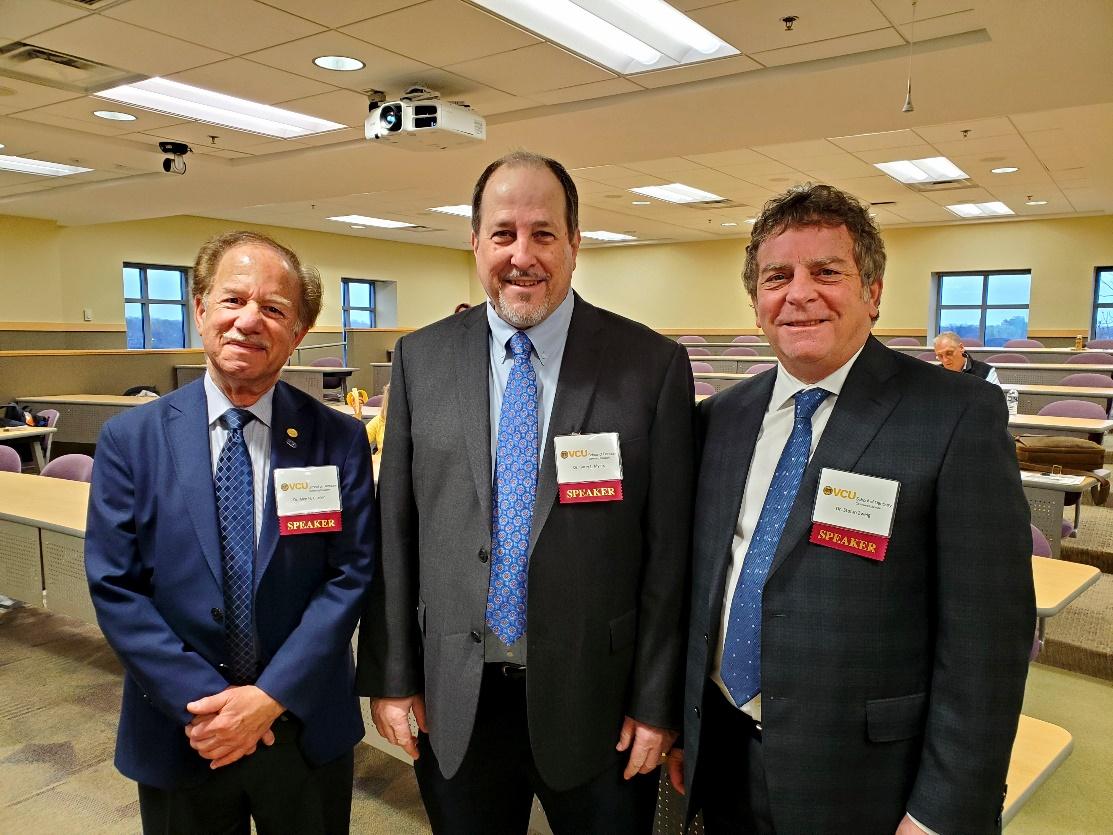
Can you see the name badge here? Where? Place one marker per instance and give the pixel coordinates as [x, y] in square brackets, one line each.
[854, 513]
[589, 467]
[307, 500]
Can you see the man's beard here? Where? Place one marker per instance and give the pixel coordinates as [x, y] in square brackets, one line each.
[520, 315]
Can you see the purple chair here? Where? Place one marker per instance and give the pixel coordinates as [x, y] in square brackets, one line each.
[330, 382]
[1091, 358]
[74, 467]
[1074, 409]
[995, 358]
[51, 416]
[1088, 379]
[10, 461]
[1100, 343]
[1040, 548]
[1022, 343]
[704, 388]
[740, 351]
[972, 342]
[903, 340]
[691, 340]
[702, 367]
[926, 356]
[698, 352]
[759, 367]
[746, 339]
[375, 400]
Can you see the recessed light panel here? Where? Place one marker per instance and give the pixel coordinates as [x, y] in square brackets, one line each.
[25, 165]
[927, 170]
[363, 220]
[994, 209]
[1028, 203]
[1005, 169]
[677, 193]
[114, 115]
[458, 211]
[338, 63]
[603, 235]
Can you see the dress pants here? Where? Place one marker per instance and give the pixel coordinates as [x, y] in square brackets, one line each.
[493, 791]
[730, 776]
[275, 786]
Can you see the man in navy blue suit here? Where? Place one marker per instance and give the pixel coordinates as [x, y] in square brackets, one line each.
[229, 544]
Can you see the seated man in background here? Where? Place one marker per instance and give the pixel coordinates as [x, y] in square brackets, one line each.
[951, 353]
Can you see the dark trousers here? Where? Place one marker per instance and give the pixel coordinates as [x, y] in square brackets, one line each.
[730, 775]
[276, 786]
[493, 791]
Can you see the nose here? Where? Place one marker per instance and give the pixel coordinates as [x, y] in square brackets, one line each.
[802, 288]
[522, 255]
[249, 318]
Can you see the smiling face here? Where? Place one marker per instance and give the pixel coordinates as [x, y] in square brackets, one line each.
[810, 301]
[524, 253]
[248, 321]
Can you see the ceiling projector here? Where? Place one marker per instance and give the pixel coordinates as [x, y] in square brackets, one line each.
[429, 125]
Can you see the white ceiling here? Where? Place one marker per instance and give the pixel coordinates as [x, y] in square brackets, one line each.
[995, 82]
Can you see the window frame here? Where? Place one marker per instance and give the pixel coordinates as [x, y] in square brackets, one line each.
[983, 305]
[1099, 305]
[345, 300]
[145, 301]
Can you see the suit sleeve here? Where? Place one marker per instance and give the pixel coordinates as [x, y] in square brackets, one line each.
[985, 616]
[170, 674]
[389, 641]
[293, 675]
[662, 614]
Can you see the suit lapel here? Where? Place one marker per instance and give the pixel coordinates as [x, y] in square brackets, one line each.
[473, 359]
[579, 375]
[187, 433]
[863, 406]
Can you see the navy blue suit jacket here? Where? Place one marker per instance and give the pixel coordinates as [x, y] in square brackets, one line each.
[153, 558]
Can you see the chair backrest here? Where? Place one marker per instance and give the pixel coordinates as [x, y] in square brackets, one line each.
[329, 381]
[1091, 358]
[74, 467]
[690, 340]
[701, 388]
[51, 416]
[758, 367]
[1089, 379]
[740, 351]
[971, 342]
[1100, 343]
[698, 352]
[1074, 408]
[375, 400]
[927, 356]
[746, 339]
[1040, 546]
[702, 367]
[1006, 357]
[903, 340]
[1022, 343]
[9, 460]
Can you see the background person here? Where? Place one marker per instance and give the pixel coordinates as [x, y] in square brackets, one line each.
[952, 355]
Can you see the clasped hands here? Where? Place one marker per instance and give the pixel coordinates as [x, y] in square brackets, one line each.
[229, 725]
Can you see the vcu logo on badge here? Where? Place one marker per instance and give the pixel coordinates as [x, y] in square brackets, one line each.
[840, 493]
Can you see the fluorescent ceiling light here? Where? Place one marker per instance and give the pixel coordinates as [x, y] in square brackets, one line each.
[994, 209]
[371, 221]
[24, 165]
[1005, 169]
[677, 193]
[164, 96]
[628, 36]
[114, 115]
[728, 224]
[357, 226]
[642, 202]
[603, 235]
[1028, 203]
[458, 211]
[339, 63]
[929, 169]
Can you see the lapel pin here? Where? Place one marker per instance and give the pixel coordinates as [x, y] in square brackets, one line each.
[293, 433]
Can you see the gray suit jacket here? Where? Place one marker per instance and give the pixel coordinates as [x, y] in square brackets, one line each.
[607, 581]
[887, 686]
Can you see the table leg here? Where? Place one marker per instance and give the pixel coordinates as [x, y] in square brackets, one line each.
[40, 455]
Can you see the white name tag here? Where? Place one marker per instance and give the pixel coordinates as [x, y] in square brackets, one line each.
[307, 499]
[854, 513]
[589, 467]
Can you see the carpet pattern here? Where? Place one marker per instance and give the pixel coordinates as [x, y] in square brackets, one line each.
[1080, 638]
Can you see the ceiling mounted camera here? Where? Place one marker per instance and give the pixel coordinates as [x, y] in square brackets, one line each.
[175, 159]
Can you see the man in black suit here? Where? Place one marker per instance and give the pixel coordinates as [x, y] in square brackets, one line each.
[862, 601]
[531, 619]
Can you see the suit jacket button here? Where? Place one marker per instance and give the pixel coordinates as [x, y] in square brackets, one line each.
[705, 638]
[483, 555]
[696, 711]
[475, 636]
[217, 614]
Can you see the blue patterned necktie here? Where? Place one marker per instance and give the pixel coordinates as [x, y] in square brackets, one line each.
[513, 496]
[741, 667]
[235, 507]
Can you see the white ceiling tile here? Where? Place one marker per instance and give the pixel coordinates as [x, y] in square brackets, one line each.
[976, 129]
[921, 151]
[333, 137]
[719, 68]
[592, 90]
[759, 171]
[876, 141]
[986, 146]
[873, 189]
[942, 26]
[16, 95]
[949, 197]
[77, 114]
[666, 167]
[341, 106]
[900, 11]
[830, 168]
[484, 100]
[127, 47]
[19, 19]
[441, 32]
[741, 156]
[753, 26]
[198, 137]
[531, 69]
[339, 12]
[249, 80]
[845, 45]
[791, 151]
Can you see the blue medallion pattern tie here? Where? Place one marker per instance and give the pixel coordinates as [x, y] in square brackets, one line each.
[235, 507]
[512, 498]
[741, 667]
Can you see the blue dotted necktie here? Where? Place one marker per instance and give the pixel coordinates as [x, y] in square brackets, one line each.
[513, 496]
[741, 667]
[235, 507]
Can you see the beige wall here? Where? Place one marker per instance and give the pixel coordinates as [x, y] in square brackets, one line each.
[30, 278]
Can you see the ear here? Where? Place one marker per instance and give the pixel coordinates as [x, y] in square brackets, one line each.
[198, 312]
[574, 241]
[474, 244]
[874, 299]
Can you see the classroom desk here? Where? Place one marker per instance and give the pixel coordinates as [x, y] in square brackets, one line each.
[1044, 372]
[344, 409]
[1093, 428]
[81, 416]
[1046, 498]
[1039, 749]
[1034, 396]
[20, 433]
[1057, 584]
[721, 379]
[308, 378]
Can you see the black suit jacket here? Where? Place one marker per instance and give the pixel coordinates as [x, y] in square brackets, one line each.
[887, 686]
[607, 581]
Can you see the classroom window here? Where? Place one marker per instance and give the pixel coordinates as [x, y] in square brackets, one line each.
[155, 305]
[991, 306]
[359, 302]
[1103, 304]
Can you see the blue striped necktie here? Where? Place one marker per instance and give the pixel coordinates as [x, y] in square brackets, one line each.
[235, 505]
[741, 667]
[512, 499]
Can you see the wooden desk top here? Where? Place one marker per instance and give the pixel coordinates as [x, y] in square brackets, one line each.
[1038, 481]
[14, 433]
[1063, 391]
[89, 399]
[1092, 426]
[1039, 749]
[344, 409]
[1059, 582]
[52, 503]
[1065, 367]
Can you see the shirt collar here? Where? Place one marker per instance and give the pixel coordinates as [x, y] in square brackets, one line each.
[786, 386]
[218, 403]
[547, 337]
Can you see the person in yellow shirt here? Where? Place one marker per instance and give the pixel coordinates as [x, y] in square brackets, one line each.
[376, 427]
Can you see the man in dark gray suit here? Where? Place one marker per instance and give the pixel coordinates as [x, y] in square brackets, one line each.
[862, 603]
[531, 618]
